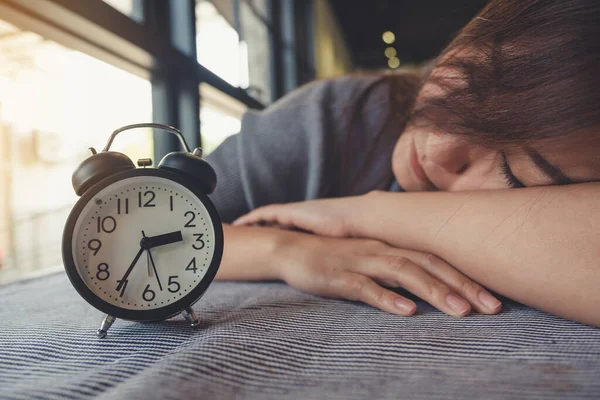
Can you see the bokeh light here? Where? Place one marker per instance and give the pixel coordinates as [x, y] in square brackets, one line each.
[390, 52]
[388, 37]
[393, 62]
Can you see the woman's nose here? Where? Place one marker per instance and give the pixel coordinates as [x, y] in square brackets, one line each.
[452, 154]
[456, 164]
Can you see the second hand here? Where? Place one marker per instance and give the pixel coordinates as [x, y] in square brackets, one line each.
[148, 264]
[153, 265]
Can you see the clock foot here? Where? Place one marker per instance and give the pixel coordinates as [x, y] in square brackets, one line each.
[106, 324]
[190, 316]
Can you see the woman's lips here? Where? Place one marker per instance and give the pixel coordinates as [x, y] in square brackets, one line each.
[417, 169]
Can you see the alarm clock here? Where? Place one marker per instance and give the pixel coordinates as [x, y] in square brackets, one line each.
[143, 244]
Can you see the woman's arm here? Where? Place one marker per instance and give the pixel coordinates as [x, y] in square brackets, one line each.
[353, 269]
[249, 253]
[539, 246]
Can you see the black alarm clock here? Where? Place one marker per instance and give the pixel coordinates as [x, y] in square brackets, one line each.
[143, 244]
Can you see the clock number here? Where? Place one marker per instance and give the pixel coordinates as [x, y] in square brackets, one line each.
[171, 202]
[123, 287]
[109, 227]
[192, 265]
[95, 245]
[148, 294]
[172, 281]
[193, 217]
[119, 206]
[198, 240]
[149, 202]
[102, 273]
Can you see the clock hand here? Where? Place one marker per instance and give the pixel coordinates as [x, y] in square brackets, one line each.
[147, 259]
[153, 265]
[148, 265]
[161, 240]
[135, 260]
[155, 272]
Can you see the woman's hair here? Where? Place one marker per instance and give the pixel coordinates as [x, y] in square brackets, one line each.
[520, 71]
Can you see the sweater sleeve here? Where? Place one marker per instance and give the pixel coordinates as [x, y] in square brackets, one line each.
[287, 152]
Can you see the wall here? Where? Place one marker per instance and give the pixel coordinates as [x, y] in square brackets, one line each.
[332, 56]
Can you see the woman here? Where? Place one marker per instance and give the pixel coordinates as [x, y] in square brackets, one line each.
[495, 150]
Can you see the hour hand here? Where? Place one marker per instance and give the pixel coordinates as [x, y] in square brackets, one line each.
[161, 240]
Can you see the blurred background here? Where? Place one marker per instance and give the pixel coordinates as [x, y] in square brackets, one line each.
[72, 71]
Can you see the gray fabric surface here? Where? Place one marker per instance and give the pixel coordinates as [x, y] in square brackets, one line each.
[269, 341]
[329, 138]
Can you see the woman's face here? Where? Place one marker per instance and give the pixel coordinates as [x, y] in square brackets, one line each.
[428, 161]
[425, 161]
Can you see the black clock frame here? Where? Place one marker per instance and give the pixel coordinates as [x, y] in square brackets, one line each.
[157, 314]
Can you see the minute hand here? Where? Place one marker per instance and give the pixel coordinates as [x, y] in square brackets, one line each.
[135, 260]
[161, 240]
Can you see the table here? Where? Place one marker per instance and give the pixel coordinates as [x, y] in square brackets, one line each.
[270, 341]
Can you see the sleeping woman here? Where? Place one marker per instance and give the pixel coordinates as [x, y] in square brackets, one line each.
[473, 177]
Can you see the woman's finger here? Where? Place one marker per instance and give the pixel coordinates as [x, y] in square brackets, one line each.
[268, 214]
[353, 286]
[416, 280]
[481, 300]
[471, 291]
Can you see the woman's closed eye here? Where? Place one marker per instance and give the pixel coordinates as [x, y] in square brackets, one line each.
[510, 178]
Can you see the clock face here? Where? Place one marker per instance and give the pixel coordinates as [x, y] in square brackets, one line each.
[144, 242]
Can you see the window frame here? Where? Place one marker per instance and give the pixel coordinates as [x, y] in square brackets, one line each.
[162, 49]
[159, 44]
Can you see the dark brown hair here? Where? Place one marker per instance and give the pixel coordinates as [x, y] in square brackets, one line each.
[520, 71]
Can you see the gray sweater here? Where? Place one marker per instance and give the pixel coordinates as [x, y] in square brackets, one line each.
[328, 138]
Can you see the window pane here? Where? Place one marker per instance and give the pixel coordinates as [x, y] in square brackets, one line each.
[245, 61]
[54, 104]
[217, 42]
[132, 8]
[220, 117]
[255, 37]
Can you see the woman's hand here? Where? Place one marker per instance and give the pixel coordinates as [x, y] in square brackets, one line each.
[327, 217]
[358, 269]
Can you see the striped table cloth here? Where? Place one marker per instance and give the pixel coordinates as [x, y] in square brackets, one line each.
[269, 341]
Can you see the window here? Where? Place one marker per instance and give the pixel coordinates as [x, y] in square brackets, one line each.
[54, 103]
[255, 36]
[240, 59]
[64, 88]
[131, 8]
[218, 45]
[220, 117]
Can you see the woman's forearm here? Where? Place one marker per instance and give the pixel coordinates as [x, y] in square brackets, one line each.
[539, 246]
[248, 253]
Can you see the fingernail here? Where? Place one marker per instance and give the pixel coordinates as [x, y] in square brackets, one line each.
[457, 304]
[405, 306]
[488, 300]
